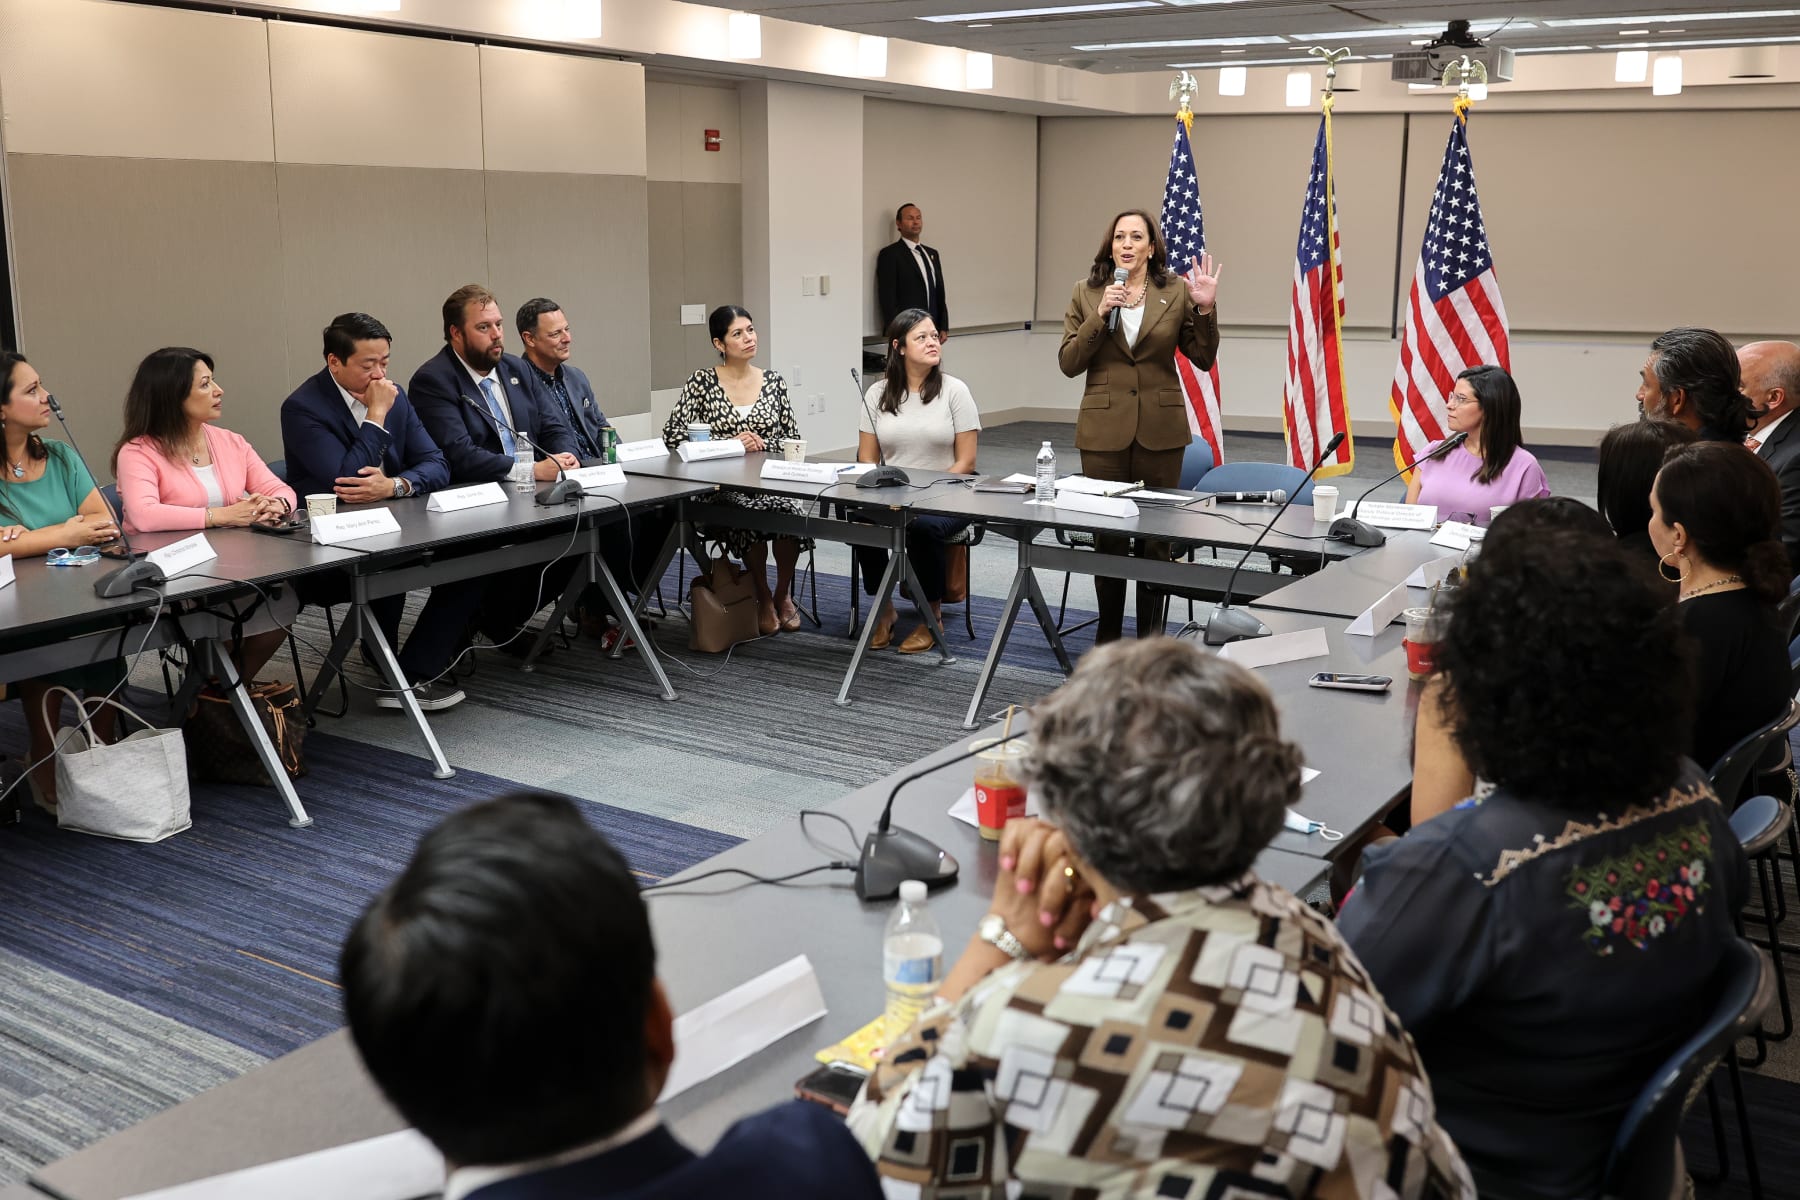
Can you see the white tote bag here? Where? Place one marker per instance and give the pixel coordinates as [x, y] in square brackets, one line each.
[135, 789]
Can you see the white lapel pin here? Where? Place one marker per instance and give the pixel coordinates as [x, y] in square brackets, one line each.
[515, 378]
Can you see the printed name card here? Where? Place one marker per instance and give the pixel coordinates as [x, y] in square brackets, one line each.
[1393, 516]
[473, 496]
[730, 1028]
[1457, 535]
[179, 556]
[701, 451]
[1277, 648]
[1105, 506]
[343, 527]
[6, 569]
[648, 448]
[1434, 572]
[395, 1166]
[800, 472]
[602, 475]
[1379, 615]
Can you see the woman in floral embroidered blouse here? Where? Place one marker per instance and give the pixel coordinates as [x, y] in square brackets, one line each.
[741, 400]
[1549, 945]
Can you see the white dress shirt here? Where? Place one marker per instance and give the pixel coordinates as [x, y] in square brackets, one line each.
[921, 260]
[521, 472]
[359, 412]
[1131, 320]
[466, 1180]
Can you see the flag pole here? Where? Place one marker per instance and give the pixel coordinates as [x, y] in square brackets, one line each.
[1328, 101]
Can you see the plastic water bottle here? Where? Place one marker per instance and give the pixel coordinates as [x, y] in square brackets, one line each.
[524, 462]
[912, 958]
[1046, 475]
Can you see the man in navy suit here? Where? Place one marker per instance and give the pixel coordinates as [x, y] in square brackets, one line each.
[474, 401]
[350, 430]
[909, 274]
[630, 549]
[1771, 373]
[503, 994]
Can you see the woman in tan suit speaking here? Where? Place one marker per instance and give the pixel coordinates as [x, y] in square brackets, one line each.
[1133, 423]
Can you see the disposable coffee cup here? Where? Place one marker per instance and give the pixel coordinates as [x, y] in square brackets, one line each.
[1325, 498]
[999, 784]
[1420, 641]
[699, 433]
[321, 504]
[794, 450]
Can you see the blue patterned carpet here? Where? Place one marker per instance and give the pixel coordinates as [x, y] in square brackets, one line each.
[233, 927]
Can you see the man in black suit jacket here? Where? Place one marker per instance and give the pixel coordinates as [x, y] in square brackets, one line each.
[909, 274]
[1771, 373]
[475, 403]
[503, 994]
[630, 548]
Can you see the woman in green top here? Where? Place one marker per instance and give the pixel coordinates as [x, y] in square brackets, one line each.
[48, 501]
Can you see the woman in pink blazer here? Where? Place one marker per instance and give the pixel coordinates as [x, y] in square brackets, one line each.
[178, 470]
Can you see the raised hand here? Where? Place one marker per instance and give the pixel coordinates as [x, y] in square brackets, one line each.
[1203, 282]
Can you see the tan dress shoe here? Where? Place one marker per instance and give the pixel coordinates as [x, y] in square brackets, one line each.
[880, 638]
[918, 641]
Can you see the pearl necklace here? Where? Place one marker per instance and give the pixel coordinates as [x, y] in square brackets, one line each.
[1713, 586]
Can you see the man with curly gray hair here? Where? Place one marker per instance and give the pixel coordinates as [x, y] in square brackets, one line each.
[1208, 1034]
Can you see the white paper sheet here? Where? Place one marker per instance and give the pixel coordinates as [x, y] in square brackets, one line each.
[1379, 615]
[1093, 487]
[1434, 572]
[730, 1028]
[1020, 477]
[396, 1166]
[1279, 648]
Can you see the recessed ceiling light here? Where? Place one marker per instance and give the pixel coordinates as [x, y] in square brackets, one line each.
[1179, 42]
[743, 35]
[1633, 32]
[871, 56]
[1631, 66]
[1657, 19]
[981, 25]
[1238, 50]
[1665, 75]
[1691, 42]
[1231, 80]
[1062, 10]
[978, 71]
[1239, 62]
[1549, 49]
[1299, 89]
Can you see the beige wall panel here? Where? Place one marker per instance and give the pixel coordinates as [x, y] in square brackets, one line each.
[668, 340]
[388, 241]
[978, 189]
[677, 117]
[712, 261]
[372, 99]
[561, 113]
[1251, 195]
[582, 240]
[662, 123]
[1655, 220]
[119, 81]
[119, 256]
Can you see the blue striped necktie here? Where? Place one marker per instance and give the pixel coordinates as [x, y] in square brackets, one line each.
[507, 445]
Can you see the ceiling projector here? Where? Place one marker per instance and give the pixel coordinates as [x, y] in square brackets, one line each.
[1426, 63]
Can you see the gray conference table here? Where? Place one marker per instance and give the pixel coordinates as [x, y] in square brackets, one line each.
[434, 548]
[1347, 588]
[710, 938]
[1201, 523]
[874, 517]
[52, 620]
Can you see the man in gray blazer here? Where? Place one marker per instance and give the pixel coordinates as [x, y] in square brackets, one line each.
[628, 548]
[1771, 373]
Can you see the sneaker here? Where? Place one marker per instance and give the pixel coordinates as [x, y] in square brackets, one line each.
[432, 697]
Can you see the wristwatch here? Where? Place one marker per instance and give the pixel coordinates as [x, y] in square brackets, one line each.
[992, 930]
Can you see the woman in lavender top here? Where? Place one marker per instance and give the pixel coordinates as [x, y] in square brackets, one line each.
[1491, 468]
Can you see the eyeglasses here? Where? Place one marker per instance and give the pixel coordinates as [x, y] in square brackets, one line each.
[1455, 401]
[64, 557]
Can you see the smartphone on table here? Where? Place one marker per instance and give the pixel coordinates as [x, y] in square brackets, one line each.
[835, 1085]
[1351, 683]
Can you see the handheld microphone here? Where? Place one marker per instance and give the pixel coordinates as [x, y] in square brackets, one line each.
[138, 571]
[563, 491]
[1272, 496]
[1360, 533]
[1120, 275]
[1228, 624]
[883, 475]
[891, 855]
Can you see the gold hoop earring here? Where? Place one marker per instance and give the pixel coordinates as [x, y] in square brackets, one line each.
[1680, 575]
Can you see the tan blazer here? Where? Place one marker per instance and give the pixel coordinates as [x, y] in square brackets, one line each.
[1133, 393]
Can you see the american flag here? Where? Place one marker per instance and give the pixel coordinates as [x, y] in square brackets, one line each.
[1313, 406]
[1454, 317]
[1185, 235]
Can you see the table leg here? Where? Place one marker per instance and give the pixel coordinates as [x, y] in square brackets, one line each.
[571, 594]
[1046, 622]
[219, 664]
[895, 562]
[334, 658]
[680, 534]
[615, 596]
[1023, 580]
[409, 704]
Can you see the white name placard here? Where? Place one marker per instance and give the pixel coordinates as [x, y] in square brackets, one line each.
[1105, 506]
[6, 569]
[1277, 648]
[603, 475]
[179, 556]
[473, 496]
[800, 472]
[727, 1029]
[1394, 516]
[701, 451]
[648, 448]
[1431, 574]
[1457, 535]
[1379, 615]
[353, 526]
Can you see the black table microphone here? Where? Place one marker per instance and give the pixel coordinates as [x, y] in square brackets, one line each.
[1361, 533]
[138, 571]
[1228, 624]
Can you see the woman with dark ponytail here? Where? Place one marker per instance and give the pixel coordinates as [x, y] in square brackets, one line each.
[1715, 520]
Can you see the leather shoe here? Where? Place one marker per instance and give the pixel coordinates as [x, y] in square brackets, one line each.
[918, 641]
[880, 639]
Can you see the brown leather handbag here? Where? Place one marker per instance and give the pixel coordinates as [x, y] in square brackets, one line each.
[220, 751]
[722, 608]
[956, 573]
